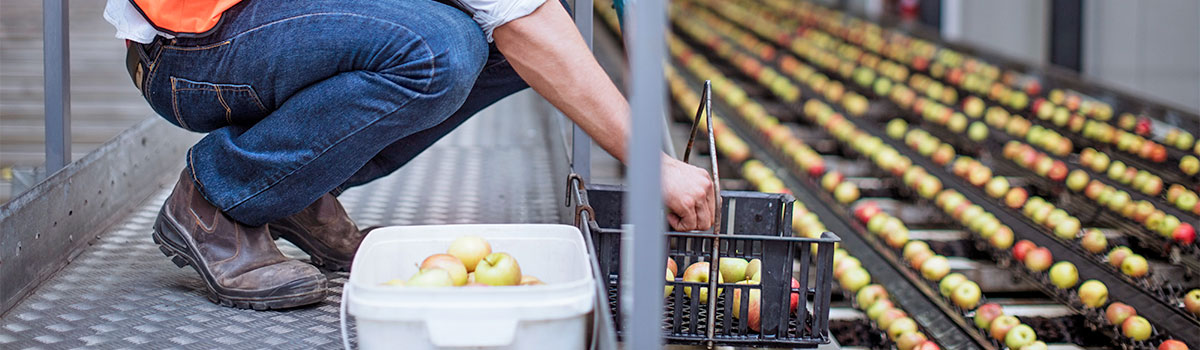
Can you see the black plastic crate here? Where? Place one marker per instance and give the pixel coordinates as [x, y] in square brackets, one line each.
[761, 228]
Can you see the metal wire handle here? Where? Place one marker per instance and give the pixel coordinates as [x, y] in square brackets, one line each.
[705, 110]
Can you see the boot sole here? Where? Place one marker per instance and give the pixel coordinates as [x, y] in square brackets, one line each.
[182, 257]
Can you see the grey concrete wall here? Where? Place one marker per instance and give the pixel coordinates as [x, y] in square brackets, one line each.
[1149, 47]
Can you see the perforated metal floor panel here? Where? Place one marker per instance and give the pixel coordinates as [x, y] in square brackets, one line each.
[122, 293]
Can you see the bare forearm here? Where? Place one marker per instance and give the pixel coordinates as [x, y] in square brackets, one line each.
[547, 51]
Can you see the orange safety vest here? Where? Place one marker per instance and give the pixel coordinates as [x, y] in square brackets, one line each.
[184, 17]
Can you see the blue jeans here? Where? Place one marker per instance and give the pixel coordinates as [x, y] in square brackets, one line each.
[306, 97]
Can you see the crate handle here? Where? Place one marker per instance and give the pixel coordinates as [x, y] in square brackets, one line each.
[705, 111]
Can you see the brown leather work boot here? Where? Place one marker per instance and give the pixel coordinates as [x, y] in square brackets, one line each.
[240, 264]
[324, 231]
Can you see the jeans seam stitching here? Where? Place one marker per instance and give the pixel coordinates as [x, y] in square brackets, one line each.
[221, 99]
[175, 104]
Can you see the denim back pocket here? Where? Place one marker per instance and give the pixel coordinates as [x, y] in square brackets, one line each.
[202, 106]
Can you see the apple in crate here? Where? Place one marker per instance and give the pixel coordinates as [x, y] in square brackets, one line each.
[927, 345]
[986, 313]
[458, 271]
[668, 288]
[498, 269]
[734, 269]
[1019, 336]
[753, 306]
[698, 272]
[1191, 301]
[470, 250]
[1117, 313]
[1093, 293]
[966, 295]
[530, 280]
[1037, 345]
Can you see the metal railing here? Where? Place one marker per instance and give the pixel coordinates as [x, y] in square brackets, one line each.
[57, 68]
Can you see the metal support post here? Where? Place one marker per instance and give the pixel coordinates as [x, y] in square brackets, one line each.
[57, 68]
[644, 242]
[581, 143]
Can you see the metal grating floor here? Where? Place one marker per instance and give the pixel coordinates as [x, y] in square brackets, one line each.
[122, 293]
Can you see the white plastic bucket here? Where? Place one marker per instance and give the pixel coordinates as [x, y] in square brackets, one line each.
[554, 315]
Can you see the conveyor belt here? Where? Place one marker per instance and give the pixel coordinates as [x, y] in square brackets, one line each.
[122, 293]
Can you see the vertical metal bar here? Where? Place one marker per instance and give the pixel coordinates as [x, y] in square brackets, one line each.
[581, 143]
[1066, 33]
[645, 242]
[56, 65]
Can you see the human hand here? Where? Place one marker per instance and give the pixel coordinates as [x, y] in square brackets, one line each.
[688, 193]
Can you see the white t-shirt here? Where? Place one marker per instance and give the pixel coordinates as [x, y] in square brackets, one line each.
[488, 13]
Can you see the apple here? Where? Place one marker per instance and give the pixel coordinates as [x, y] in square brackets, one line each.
[979, 175]
[1184, 234]
[977, 131]
[947, 284]
[470, 250]
[698, 272]
[1117, 312]
[927, 345]
[1117, 255]
[986, 313]
[1077, 180]
[449, 263]
[855, 279]
[1001, 325]
[1019, 336]
[831, 179]
[910, 340]
[1015, 198]
[795, 302]
[896, 128]
[997, 187]
[935, 267]
[966, 295]
[530, 280]
[1136, 328]
[896, 238]
[1134, 266]
[876, 223]
[846, 192]
[1186, 201]
[1172, 344]
[1037, 345]
[753, 306]
[1038, 259]
[671, 266]
[1064, 275]
[1067, 229]
[1093, 293]
[901, 326]
[1168, 225]
[395, 282]
[1191, 301]
[1021, 248]
[668, 288]
[890, 316]
[868, 295]
[1189, 165]
[498, 269]
[755, 265]
[430, 278]
[878, 308]
[864, 212]
[733, 269]
[1002, 239]
[844, 265]
[913, 247]
[1094, 241]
